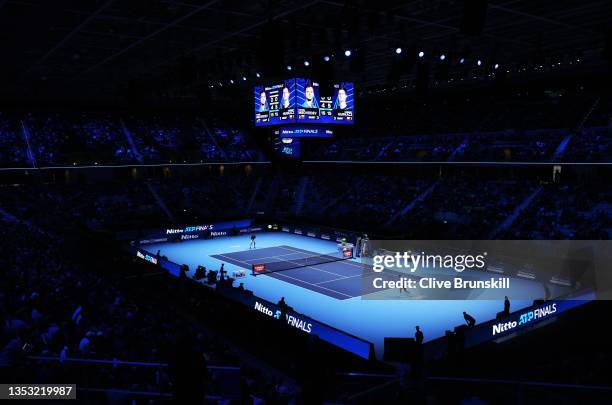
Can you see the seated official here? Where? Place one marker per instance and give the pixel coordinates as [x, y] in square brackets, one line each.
[469, 319]
[200, 273]
[211, 277]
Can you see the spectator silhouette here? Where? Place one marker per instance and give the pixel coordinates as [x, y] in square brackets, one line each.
[200, 273]
[506, 305]
[189, 369]
[418, 336]
[469, 319]
[222, 273]
[283, 308]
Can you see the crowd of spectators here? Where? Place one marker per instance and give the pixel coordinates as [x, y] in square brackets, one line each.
[165, 138]
[218, 196]
[502, 146]
[60, 139]
[12, 143]
[187, 139]
[61, 304]
[566, 211]
[235, 143]
[465, 208]
[590, 145]
[401, 205]
[104, 139]
[68, 139]
[112, 205]
[52, 141]
[52, 307]
[458, 112]
[437, 208]
[364, 202]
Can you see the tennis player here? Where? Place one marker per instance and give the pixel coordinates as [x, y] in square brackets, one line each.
[252, 245]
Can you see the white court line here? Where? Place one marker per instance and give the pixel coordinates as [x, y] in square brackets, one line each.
[230, 258]
[310, 267]
[357, 275]
[272, 257]
[346, 261]
[343, 278]
[289, 261]
[306, 282]
[315, 285]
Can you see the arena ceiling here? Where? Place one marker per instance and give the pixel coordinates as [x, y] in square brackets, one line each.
[102, 45]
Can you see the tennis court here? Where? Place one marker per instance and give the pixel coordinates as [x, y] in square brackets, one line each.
[332, 293]
[328, 275]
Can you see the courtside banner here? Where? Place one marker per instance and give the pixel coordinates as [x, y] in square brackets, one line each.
[485, 269]
[186, 232]
[306, 325]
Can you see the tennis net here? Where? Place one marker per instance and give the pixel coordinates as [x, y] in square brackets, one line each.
[305, 261]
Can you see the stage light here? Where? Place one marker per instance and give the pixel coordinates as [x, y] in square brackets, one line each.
[257, 75]
[306, 63]
[243, 79]
[231, 81]
[442, 57]
[461, 61]
[479, 62]
[496, 66]
[347, 53]
[326, 58]
[398, 50]
[289, 67]
[421, 54]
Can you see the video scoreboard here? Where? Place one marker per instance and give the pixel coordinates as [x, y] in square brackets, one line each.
[304, 101]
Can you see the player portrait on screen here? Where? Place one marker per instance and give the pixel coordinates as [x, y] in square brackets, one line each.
[263, 102]
[286, 101]
[341, 99]
[309, 95]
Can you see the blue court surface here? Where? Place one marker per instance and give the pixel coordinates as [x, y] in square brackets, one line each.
[340, 279]
[331, 292]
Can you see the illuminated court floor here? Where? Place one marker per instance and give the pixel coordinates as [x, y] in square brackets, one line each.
[331, 293]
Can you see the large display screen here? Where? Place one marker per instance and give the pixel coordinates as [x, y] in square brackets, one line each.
[275, 104]
[304, 101]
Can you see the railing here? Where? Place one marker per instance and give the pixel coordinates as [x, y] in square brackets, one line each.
[375, 386]
[516, 391]
[144, 379]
